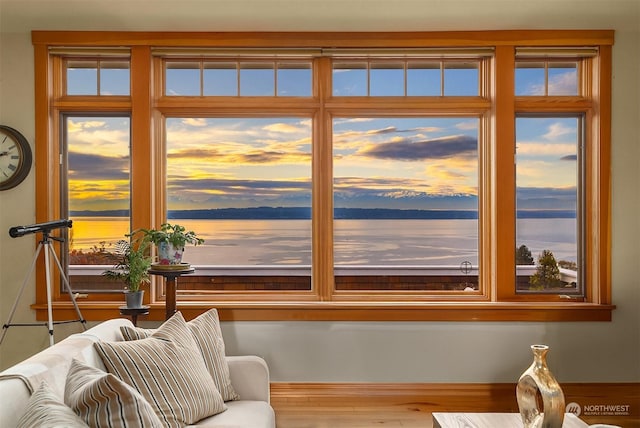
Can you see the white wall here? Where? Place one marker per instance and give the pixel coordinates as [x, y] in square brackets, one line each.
[354, 351]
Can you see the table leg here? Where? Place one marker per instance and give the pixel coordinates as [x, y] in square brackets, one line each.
[170, 307]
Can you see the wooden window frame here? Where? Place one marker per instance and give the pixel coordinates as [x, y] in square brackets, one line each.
[497, 107]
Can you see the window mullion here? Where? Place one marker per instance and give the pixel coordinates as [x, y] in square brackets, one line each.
[275, 78]
[98, 70]
[142, 152]
[502, 193]
[201, 78]
[546, 78]
[441, 78]
[322, 276]
[238, 77]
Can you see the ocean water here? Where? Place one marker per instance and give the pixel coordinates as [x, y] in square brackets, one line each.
[357, 242]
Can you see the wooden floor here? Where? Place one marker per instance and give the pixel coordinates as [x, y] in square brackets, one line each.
[290, 415]
[352, 405]
[301, 416]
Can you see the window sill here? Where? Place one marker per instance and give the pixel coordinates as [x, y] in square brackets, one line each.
[350, 311]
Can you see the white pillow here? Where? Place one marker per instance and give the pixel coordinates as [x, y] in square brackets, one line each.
[168, 370]
[208, 336]
[103, 400]
[45, 410]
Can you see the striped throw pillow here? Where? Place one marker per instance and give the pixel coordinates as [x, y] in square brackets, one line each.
[103, 400]
[208, 336]
[45, 410]
[168, 370]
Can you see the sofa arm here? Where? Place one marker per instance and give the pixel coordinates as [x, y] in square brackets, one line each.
[250, 377]
[14, 395]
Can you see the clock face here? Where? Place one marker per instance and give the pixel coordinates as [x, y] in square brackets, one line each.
[15, 157]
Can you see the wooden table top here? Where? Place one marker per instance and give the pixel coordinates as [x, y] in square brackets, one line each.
[493, 420]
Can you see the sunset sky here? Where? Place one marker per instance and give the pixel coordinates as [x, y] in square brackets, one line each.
[428, 163]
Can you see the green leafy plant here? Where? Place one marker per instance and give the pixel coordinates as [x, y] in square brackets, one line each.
[174, 234]
[523, 256]
[547, 272]
[132, 263]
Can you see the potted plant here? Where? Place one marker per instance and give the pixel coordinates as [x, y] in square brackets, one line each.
[170, 240]
[132, 263]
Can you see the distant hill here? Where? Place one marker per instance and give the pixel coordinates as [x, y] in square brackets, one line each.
[254, 213]
[303, 213]
[104, 213]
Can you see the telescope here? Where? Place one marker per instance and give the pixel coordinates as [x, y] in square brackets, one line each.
[18, 231]
[45, 243]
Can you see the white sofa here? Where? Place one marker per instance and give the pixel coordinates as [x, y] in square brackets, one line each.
[249, 377]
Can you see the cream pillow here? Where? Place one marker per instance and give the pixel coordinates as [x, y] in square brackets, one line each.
[208, 336]
[103, 400]
[45, 410]
[168, 370]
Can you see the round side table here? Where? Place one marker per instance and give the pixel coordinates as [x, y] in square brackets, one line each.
[134, 313]
[171, 279]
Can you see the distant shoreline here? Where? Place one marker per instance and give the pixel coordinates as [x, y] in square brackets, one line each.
[304, 213]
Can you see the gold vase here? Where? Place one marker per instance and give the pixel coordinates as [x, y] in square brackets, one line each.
[538, 379]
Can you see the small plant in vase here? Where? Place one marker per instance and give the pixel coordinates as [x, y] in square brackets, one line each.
[170, 240]
[132, 264]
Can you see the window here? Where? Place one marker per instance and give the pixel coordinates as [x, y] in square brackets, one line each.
[410, 77]
[406, 203]
[547, 78]
[423, 78]
[416, 178]
[245, 185]
[97, 77]
[549, 205]
[233, 78]
[97, 183]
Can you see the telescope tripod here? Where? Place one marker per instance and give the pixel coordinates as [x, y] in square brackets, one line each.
[45, 243]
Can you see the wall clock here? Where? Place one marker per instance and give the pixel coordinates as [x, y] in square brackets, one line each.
[15, 157]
